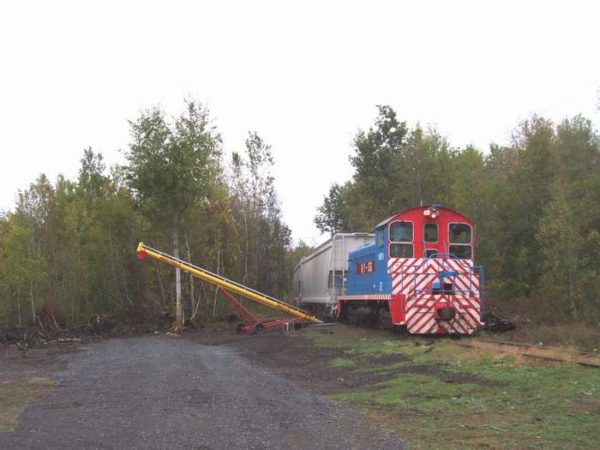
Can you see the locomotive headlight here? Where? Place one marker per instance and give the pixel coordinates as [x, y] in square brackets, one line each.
[434, 213]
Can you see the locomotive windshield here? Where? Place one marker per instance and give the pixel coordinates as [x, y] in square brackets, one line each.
[460, 233]
[460, 241]
[401, 237]
[401, 232]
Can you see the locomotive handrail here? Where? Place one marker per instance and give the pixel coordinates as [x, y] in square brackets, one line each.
[481, 273]
[465, 269]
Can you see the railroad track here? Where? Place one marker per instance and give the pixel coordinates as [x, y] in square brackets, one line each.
[539, 352]
[552, 354]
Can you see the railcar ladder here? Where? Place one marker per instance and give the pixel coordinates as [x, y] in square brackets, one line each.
[224, 283]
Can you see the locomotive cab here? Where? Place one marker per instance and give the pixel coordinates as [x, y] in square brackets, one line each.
[429, 232]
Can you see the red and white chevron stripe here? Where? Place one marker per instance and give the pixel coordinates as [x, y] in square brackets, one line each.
[414, 278]
[395, 264]
[410, 275]
[420, 314]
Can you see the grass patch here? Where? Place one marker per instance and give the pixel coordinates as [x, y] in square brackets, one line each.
[342, 362]
[16, 395]
[578, 335]
[444, 396]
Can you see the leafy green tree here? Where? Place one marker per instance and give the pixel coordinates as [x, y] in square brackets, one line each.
[171, 167]
[333, 216]
[29, 241]
[107, 227]
[521, 198]
[468, 185]
[395, 168]
[561, 250]
[428, 171]
[18, 260]
[264, 236]
[378, 163]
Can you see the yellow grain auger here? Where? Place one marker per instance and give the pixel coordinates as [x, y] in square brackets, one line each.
[228, 287]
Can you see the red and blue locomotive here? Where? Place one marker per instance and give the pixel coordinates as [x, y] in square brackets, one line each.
[418, 274]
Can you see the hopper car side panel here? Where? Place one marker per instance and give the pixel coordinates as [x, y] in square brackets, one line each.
[322, 276]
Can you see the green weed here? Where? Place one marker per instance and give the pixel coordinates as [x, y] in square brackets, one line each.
[16, 395]
[342, 362]
[443, 396]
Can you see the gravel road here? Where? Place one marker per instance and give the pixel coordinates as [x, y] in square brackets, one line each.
[162, 393]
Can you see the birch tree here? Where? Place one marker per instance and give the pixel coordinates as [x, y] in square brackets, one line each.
[171, 166]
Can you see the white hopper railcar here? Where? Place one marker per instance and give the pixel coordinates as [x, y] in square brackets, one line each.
[323, 275]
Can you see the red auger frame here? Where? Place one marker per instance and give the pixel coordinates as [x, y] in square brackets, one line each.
[249, 322]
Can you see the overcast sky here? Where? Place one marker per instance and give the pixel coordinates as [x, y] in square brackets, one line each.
[305, 75]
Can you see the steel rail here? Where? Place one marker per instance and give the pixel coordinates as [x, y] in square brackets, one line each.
[534, 351]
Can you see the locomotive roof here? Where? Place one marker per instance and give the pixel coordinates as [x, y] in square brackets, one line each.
[389, 219]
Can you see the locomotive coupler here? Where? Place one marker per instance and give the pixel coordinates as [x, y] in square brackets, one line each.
[443, 311]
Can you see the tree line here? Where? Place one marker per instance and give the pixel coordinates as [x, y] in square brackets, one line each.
[67, 249]
[535, 202]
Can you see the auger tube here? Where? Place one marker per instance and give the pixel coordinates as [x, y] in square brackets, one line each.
[225, 283]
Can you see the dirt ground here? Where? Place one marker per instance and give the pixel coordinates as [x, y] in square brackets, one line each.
[331, 386]
[294, 357]
[207, 389]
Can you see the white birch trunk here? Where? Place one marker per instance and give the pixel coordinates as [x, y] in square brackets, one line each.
[178, 312]
[214, 308]
[32, 300]
[189, 258]
[19, 306]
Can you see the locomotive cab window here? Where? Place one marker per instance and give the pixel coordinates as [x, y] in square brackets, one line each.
[401, 237]
[460, 241]
[401, 250]
[460, 251]
[430, 232]
[379, 237]
[401, 232]
[460, 233]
